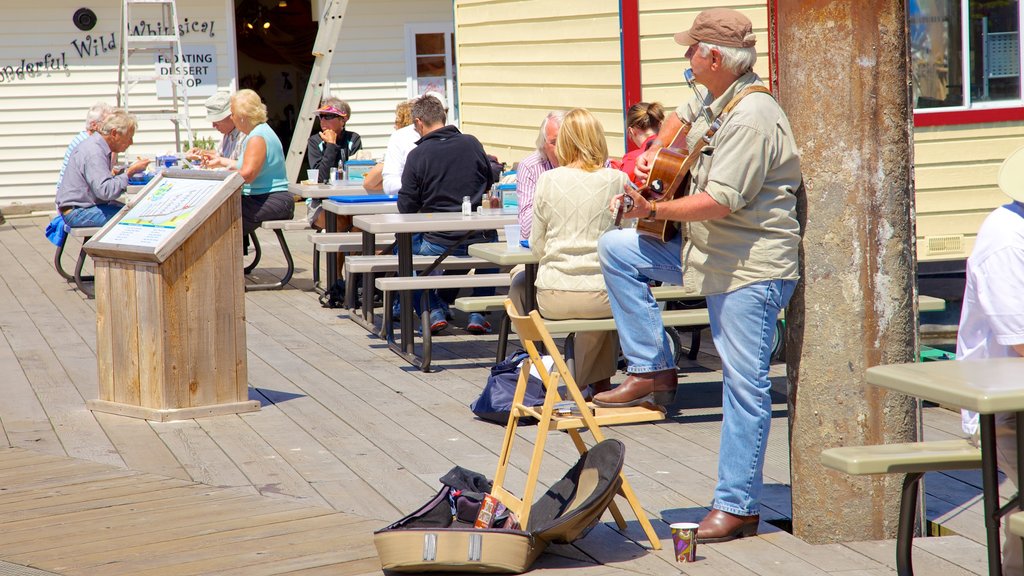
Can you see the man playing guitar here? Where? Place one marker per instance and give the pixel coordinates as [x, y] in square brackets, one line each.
[740, 251]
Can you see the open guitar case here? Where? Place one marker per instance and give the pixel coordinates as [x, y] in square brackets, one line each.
[440, 536]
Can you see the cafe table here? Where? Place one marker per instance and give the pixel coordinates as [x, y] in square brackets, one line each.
[404, 226]
[503, 254]
[321, 191]
[369, 247]
[984, 386]
[341, 188]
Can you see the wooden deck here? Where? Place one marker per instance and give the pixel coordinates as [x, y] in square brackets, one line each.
[349, 438]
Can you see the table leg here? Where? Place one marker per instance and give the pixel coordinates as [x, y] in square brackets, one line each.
[364, 316]
[990, 488]
[331, 259]
[531, 287]
[405, 297]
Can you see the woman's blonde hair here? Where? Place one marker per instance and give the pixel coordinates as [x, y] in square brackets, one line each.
[403, 114]
[249, 106]
[581, 141]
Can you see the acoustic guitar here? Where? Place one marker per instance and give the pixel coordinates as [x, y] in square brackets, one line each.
[669, 177]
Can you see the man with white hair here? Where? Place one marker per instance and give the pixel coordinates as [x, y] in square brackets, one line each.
[93, 120]
[88, 194]
[400, 143]
[531, 167]
[992, 317]
[741, 253]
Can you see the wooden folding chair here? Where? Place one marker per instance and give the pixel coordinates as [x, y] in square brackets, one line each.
[532, 332]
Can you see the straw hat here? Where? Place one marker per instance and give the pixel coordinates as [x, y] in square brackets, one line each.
[1011, 175]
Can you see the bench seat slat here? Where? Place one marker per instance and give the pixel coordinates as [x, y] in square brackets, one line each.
[284, 225]
[903, 458]
[497, 303]
[435, 282]
[389, 263]
[84, 232]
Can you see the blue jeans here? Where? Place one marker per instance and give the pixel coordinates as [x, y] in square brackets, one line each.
[440, 299]
[92, 216]
[743, 326]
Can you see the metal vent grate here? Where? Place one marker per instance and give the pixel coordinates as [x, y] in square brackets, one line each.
[10, 569]
[948, 244]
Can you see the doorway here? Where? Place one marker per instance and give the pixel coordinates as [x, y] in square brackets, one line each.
[275, 44]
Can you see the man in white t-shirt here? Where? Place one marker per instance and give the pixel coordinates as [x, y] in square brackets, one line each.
[992, 318]
[400, 143]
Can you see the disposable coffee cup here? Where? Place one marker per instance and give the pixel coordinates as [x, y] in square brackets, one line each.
[684, 541]
[512, 232]
[312, 175]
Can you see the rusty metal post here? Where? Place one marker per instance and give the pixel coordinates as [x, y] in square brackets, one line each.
[840, 70]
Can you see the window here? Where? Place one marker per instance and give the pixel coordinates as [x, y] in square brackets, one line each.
[430, 59]
[965, 54]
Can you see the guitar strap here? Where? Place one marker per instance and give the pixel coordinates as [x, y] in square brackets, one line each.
[691, 159]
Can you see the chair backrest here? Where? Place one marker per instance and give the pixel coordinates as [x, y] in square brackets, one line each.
[531, 330]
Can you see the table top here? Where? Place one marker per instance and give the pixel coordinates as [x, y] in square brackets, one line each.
[499, 253]
[360, 208]
[432, 222]
[985, 386]
[342, 188]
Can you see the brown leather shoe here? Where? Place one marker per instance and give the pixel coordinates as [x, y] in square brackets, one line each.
[644, 388]
[720, 526]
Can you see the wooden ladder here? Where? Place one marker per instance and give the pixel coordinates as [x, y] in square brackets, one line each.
[166, 43]
[323, 54]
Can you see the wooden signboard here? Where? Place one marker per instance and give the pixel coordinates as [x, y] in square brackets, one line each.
[170, 301]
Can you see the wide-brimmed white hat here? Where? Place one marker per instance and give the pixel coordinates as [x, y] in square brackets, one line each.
[1011, 175]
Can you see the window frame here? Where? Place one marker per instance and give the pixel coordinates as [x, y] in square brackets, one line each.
[448, 30]
[976, 112]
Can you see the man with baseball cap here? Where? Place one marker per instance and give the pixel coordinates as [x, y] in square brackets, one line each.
[218, 111]
[739, 246]
[992, 316]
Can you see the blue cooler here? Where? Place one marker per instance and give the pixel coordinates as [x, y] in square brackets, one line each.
[509, 198]
[357, 169]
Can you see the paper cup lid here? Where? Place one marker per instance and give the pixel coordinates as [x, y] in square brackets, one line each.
[684, 526]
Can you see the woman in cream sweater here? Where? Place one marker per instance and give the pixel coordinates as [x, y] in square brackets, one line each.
[570, 212]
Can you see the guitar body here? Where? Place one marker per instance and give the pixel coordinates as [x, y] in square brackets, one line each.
[669, 179]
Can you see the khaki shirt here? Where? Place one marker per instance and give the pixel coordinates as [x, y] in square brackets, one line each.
[751, 166]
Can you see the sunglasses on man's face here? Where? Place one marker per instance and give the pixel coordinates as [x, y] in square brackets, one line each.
[329, 116]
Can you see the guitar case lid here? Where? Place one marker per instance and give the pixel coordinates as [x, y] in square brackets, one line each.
[574, 504]
[437, 537]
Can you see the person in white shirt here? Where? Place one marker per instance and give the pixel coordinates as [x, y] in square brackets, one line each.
[401, 142]
[992, 317]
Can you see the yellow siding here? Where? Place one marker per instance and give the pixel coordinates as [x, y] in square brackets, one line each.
[39, 115]
[955, 172]
[519, 59]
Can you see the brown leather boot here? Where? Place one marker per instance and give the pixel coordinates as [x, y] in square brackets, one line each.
[603, 385]
[644, 388]
[719, 526]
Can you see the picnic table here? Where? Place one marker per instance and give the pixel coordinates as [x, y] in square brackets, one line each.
[984, 386]
[403, 226]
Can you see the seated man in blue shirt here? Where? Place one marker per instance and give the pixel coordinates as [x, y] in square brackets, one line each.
[87, 196]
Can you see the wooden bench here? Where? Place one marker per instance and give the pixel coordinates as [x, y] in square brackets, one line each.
[391, 285]
[912, 459]
[342, 243]
[661, 293]
[84, 234]
[279, 227]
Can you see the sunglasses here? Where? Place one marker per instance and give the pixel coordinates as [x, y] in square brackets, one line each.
[330, 116]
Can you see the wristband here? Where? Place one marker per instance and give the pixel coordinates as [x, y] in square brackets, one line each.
[653, 210]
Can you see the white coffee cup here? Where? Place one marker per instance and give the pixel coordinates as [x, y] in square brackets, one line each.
[312, 176]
